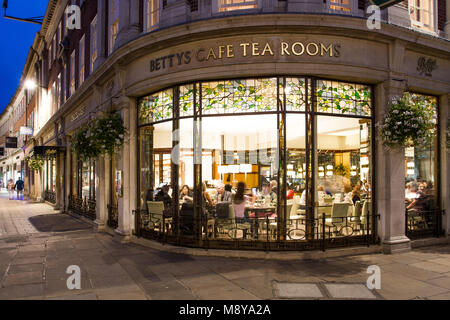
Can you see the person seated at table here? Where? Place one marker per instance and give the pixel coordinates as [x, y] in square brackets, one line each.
[348, 194]
[267, 193]
[223, 193]
[186, 195]
[320, 194]
[411, 191]
[209, 202]
[239, 200]
[356, 193]
[289, 193]
[163, 195]
[228, 193]
[274, 186]
[420, 201]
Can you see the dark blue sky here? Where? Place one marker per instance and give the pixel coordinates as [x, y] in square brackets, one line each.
[16, 40]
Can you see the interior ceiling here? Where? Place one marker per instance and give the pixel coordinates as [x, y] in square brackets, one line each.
[251, 124]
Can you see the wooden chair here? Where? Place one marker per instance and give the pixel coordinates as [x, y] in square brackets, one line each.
[155, 210]
[339, 218]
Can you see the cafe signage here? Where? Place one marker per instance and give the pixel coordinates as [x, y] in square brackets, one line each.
[11, 142]
[27, 131]
[246, 50]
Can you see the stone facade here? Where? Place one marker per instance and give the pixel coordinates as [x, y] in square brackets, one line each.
[144, 62]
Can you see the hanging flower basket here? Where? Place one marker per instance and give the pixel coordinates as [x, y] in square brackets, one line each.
[35, 162]
[408, 122]
[101, 136]
[109, 133]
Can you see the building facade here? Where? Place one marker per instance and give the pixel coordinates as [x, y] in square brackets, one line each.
[284, 96]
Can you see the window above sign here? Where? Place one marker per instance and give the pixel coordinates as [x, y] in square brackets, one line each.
[422, 14]
[233, 5]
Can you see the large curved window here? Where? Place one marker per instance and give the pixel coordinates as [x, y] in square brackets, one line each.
[257, 160]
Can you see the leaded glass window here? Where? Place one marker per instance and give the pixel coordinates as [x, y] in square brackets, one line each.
[343, 98]
[239, 96]
[156, 107]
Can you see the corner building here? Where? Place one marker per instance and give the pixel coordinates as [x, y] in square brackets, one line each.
[284, 96]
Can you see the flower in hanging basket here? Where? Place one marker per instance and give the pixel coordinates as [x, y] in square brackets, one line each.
[408, 122]
[35, 162]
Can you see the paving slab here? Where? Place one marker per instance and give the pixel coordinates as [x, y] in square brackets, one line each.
[398, 287]
[22, 291]
[23, 278]
[83, 296]
[31, 267]
[432, 266]
[349, 291]
[297, 290]
[443, 282]
[108, 282]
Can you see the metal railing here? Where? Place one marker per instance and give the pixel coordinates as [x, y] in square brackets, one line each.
[83, 207]
[423, 223]
[50, 196]
[263, 233]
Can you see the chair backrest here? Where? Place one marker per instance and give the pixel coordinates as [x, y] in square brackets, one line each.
[357, 209]
[294, 208]
[365, 208]
[222, 210]
[155, 208]
[340, 210]
[365, 212]
[288, 209]
[231, 214]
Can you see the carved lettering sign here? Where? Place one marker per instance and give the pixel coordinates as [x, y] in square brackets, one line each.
[245, 50]
[77, 113]
[426, 66]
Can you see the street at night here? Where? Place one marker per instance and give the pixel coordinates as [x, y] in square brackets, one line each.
[37, 246]
[225, 158]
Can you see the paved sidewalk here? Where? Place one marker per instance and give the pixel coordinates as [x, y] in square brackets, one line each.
[34, 259]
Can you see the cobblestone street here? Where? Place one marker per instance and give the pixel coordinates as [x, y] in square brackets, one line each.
[37, 245]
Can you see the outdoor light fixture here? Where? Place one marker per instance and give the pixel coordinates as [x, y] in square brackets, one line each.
[30, 84]
[36, 20]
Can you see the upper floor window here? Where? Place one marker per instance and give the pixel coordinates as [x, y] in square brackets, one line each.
[54, 47]
[81, 52]
[114, 23]
[93, 42]
[153, 11]
[58, 91]
[50, 59]
[72, 72]
[60, 32]
[231, 5]
[421, 13]
[341, 5]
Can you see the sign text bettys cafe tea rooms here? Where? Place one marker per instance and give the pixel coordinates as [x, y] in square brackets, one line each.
[245, 50]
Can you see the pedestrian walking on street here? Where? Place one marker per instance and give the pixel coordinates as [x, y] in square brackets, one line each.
[19, 188]
[11, 188]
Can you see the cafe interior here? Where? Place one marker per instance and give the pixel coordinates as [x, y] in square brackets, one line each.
[245, 148]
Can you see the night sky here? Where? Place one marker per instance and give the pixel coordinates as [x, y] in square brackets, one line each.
[16, 40]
